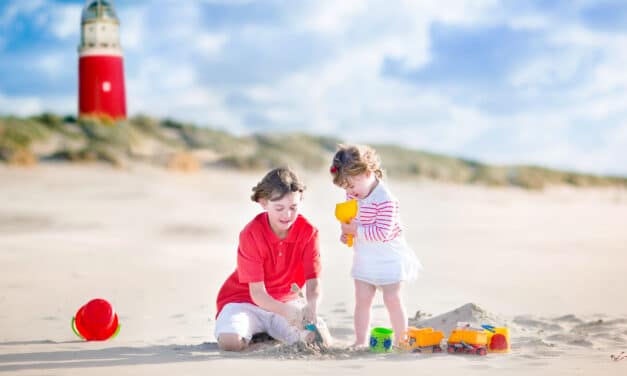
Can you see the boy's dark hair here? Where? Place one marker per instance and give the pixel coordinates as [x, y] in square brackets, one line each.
[276, 184]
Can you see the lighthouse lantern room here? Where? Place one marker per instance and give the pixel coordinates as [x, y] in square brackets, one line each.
[101, 91]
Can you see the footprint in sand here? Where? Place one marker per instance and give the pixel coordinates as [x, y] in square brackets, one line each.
[21, 222]
[569, 319]
[531, 323]
[598, 326]
[188, 230]
[538, 364]
[530, 343]
[480, 366]
[338, 332]
[570, 339]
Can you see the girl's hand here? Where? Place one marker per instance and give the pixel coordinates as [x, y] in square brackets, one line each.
[343, 238]
[349, 228]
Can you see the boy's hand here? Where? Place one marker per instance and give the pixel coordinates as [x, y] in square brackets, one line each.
[349, 228]
[310, 312]
[343, 238]
[293, 315]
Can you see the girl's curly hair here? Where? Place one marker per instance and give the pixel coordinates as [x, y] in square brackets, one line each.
[353, 160]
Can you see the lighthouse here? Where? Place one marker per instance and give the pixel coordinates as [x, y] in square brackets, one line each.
[100, 67]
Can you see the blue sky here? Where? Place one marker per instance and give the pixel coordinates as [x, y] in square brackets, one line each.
[541, 82]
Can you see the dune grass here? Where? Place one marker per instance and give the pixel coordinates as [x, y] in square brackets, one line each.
[113, 143]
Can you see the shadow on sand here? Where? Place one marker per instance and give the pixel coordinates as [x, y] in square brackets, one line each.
[107, 357]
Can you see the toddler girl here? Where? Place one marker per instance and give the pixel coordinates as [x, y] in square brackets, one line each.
[382, 259]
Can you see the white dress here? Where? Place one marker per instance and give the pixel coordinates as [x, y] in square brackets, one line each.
[381, 254]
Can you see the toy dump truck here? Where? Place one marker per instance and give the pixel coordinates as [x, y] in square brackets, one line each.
[423, 340]
[468, 340]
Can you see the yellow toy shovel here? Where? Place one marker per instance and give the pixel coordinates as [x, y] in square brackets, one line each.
[345, 212]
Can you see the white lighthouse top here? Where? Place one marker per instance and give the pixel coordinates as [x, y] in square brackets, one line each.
[98, 10]
[99, 29]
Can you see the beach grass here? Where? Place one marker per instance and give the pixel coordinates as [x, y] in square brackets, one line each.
[22, 141]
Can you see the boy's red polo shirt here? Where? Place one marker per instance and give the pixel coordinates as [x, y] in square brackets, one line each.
[263, 257]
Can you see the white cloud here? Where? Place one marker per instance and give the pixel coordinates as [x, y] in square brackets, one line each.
[30, 104]
[351, 100]
[65, 20]
[51, 64]
[548, 70]
[177, 95]
[17, 7]
[20, 105]
[209, 44]
[530, 22]
[132, 27]
[609, 158]
[228, 2]
[331, 16]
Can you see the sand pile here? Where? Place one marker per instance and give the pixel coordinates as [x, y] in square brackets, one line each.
[469, 313]
[537, 334]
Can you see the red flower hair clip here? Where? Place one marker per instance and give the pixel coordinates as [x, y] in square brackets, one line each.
[333, 169]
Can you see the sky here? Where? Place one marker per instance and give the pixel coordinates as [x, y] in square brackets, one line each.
[504, 82]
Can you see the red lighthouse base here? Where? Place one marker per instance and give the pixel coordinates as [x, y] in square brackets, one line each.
[101, 91]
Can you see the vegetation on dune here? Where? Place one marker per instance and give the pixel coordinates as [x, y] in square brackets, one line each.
[186, 147]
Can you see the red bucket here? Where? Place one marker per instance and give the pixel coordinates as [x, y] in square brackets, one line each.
[96, 321]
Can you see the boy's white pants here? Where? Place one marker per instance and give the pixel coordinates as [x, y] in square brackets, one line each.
[245, 320]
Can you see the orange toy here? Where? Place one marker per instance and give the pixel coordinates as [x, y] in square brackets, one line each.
[468, 341]
[422, 340]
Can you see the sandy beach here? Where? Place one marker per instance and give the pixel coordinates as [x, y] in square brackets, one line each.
[550, 265]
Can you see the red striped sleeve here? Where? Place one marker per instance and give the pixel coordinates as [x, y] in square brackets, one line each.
[380, 221]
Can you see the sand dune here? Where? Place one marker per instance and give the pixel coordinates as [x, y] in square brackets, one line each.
[548, 265]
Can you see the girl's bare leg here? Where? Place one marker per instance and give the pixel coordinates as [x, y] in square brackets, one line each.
[396, 310]
[364, 295]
